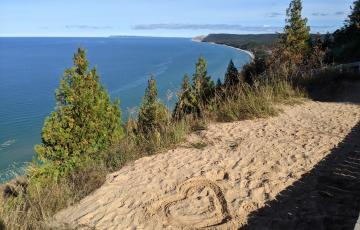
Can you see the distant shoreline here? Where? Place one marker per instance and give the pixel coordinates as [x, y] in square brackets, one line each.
[200, 39]
[251, 54]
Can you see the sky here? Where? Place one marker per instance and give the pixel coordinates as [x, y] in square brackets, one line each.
[165, 18]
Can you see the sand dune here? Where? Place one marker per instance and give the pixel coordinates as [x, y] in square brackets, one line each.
[243, 165]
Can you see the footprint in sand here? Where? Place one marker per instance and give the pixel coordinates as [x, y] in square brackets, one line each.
[198, 203]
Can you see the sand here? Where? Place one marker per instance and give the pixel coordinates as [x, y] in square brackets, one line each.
[243, 166]
[251, 54]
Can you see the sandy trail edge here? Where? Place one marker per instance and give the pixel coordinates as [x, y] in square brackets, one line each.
[244, 165]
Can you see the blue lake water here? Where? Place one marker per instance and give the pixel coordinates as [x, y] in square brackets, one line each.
[30, 70]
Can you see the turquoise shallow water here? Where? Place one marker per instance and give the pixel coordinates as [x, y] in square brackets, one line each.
[30, 69]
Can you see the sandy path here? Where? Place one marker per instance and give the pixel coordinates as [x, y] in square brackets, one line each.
[244, 165]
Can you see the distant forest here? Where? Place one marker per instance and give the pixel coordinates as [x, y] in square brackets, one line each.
[256, 43]
[259, 44]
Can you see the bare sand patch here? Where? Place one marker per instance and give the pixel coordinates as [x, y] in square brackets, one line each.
[243, 165]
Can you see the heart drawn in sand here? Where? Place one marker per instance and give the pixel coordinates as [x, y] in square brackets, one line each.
[198, 203]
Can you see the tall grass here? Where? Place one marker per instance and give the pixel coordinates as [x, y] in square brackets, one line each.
[34, 205]
[247, 102]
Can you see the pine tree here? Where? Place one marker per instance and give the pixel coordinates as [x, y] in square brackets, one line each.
[354, 17]
[85, 120]
[203, 86]
[193, 98]
[232, 75]
[218, 84]
[186, 102]
[296, 33]
[153, 115]
[288, 58]
[346, 46]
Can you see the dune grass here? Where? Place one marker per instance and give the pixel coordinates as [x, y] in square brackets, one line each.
[258, 101]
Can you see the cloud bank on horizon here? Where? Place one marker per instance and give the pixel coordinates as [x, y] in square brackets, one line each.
[216, 27]
[161, 17]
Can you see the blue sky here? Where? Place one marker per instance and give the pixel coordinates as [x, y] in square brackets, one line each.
[177, 18]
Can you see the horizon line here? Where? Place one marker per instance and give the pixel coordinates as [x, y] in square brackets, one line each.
[85, 36]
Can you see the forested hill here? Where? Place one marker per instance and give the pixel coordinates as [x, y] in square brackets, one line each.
[256, 43]
[259, 44]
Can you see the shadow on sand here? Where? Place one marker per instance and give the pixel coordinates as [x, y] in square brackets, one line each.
[327, 197]
[339, 88]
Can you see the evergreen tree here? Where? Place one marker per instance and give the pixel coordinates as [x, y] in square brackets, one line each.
[193, 98]
[354, 17]
[153, 115]
[288, 58]
[296, 33]
[346, 47]
[203, 86]
[232, 75]
[85, 120]
[218, 84]
[186, 102]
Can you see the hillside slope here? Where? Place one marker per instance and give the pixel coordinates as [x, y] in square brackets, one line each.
[244, 166]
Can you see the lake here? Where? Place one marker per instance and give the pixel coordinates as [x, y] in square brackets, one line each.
[30, 70]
